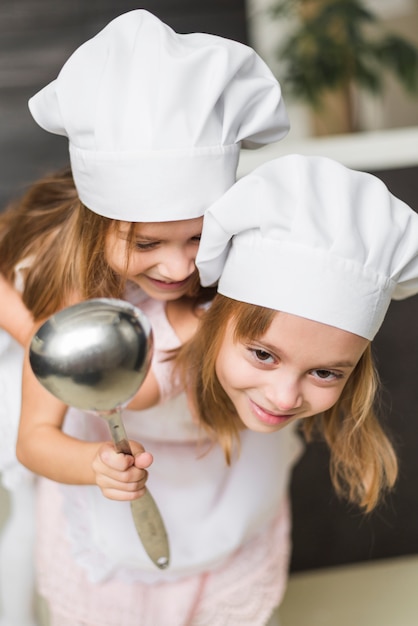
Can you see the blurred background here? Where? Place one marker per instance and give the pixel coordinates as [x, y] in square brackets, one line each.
[378, 133]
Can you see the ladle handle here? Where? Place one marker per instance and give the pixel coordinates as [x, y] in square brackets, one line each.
[146, 515]
[118, 432]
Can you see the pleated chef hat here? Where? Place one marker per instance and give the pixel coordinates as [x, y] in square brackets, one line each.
[155, 119]
[310, 237]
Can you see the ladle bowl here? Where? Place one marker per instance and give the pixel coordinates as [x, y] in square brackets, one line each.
[93, 355]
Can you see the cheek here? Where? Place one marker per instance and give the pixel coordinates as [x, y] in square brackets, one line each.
[221, 368]
[232, 370]
[115, 256]
[225, 366]
[136, 263]
[140, 262]
[324, 399]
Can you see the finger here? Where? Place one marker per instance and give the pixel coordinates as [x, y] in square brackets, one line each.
[113, 459]
[122, 480]
[143, 460]
[123, 496]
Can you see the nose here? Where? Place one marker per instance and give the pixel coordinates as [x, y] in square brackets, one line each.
[178, 264]
[284, 392]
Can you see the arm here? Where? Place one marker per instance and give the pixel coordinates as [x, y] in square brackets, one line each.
[44, 449]
[14, 316]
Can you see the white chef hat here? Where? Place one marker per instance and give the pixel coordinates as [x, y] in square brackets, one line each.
[155, 119]
[310, 237]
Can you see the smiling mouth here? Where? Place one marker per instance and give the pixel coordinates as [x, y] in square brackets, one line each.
[169, 285]
[269, 417]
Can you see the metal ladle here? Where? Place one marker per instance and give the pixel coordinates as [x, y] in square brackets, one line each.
[94, 356]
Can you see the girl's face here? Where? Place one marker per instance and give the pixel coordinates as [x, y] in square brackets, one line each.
[162, 261]
[297, 369]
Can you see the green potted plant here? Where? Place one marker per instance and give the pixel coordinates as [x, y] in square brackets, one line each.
[334, 47]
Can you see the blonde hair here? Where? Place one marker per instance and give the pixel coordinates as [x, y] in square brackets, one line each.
[62, 243]
[363, 462]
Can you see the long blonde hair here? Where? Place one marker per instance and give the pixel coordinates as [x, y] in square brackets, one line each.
[363, 462]
[62, 244]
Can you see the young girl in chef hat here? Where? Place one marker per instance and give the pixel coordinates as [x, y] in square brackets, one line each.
[155, 122]
[308, 255]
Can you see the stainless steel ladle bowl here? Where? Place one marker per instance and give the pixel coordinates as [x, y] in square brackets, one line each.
[94, 356]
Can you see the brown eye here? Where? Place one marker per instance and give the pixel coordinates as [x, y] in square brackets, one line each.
[263, 356]
[146, 245]
[323, 373]
[326, 375]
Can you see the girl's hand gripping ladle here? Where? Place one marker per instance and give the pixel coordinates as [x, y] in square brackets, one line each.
[94, 356]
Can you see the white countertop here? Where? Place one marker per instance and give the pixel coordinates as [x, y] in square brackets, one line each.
[372, 151]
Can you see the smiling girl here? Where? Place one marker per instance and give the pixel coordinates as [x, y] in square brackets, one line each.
[162, 262]
[308, 255]
[296, 369]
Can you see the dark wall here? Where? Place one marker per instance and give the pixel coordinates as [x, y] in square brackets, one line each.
[326, 531]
